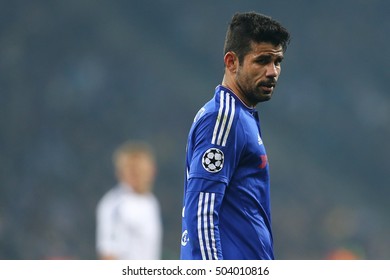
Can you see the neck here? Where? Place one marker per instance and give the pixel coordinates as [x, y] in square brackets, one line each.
[236, 91]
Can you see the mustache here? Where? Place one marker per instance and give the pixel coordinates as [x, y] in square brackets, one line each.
[268, 83]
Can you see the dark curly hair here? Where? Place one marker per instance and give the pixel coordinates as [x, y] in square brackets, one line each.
[253, 27]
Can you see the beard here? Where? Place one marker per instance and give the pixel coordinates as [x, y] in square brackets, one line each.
[255, 93]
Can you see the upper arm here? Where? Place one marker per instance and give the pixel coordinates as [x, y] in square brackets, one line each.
[215, 147]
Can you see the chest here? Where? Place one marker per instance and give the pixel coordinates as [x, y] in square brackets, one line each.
[254, 156]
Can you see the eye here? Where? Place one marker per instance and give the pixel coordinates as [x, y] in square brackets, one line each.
[263, 60]
[278, 61]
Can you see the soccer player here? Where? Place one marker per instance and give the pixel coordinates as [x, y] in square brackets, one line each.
[226, 211]
[128, 215]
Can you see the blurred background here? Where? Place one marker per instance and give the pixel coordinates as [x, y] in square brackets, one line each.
[79, 77]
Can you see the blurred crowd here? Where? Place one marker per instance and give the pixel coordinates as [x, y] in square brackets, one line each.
[80, 77]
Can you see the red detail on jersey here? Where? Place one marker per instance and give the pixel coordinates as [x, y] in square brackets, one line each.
[264, 161]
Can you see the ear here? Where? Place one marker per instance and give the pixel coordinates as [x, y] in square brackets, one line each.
[231, 61]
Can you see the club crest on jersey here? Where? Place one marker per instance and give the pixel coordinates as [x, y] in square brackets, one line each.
[184, 238]
[212, 160]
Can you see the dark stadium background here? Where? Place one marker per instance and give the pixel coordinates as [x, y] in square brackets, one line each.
[78, 77]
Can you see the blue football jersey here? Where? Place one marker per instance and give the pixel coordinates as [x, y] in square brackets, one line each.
[226, 205]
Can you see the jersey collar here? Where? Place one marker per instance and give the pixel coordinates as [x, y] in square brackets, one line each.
[226, 89]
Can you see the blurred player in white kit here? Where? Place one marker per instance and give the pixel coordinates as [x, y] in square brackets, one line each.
[128, 220]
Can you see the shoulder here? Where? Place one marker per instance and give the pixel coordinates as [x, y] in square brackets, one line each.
[111, 197]
[220, 113]
[150, 203]
[226, 118]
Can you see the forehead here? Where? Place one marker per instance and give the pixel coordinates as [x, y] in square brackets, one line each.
[136, 157]
[262, 48]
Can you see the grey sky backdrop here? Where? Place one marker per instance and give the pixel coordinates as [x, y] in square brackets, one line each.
[79, 77]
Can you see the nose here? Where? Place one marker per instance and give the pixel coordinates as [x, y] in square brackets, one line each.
[272, 70]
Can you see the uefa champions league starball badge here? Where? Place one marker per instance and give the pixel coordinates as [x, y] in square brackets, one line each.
[212, 160]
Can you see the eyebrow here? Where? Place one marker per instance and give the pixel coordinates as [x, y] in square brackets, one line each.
[269, 56]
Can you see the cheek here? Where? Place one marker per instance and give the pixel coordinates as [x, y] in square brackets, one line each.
[246, 74]
[258, 71]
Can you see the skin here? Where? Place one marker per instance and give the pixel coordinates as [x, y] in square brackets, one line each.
[136, 170]
[254, 79]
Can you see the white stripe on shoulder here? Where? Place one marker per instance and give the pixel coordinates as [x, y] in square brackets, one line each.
[224, 119]
[230, 121]
[221, 103]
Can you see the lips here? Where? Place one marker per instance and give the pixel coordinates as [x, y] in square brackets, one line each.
[267, 87]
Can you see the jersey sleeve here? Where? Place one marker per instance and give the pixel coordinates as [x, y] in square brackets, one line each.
[215, 148]
[104, 241]
[202, 204]
[216, 144]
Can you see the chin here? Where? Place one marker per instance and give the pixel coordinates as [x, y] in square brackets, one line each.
[264, 100]
[265, 97]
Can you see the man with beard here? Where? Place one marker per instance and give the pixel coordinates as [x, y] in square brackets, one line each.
[226, 205]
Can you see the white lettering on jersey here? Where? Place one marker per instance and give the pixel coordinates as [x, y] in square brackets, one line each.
[259, 139]
[199, 114]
